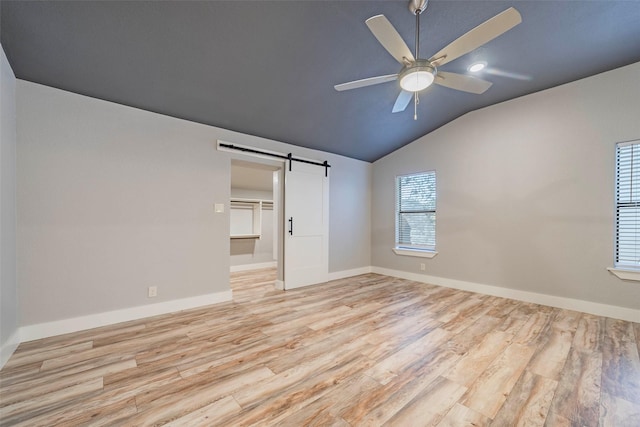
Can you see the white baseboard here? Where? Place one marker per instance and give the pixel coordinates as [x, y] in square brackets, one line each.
[257, 266]
[44, 330]
[9, 347]
[336, 275]
[622, 313]
[59, 327]
[279, 285]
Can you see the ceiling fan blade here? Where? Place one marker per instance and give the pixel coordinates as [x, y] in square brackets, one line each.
[366, 82]
[462, 82]
[402, 101]
[480, 35]
[389, 38]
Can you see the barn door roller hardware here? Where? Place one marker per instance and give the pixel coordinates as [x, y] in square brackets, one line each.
[288, 157]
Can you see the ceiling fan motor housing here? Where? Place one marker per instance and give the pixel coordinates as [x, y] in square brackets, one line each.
[417, 76]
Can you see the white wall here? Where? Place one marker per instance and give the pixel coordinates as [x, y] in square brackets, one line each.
[8, 284]
[112, 200]
[525, 191]
[350, 214]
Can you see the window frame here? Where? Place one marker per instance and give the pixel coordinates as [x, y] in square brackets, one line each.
[623, 270]
[410, 250]
[620, 205]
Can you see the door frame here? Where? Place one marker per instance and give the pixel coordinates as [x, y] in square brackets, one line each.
[274, 158]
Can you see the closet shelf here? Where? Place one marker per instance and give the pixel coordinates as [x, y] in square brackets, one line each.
[246, 217]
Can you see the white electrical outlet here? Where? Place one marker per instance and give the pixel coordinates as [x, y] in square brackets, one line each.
[218, 207]
[153, 291]
[422, 266]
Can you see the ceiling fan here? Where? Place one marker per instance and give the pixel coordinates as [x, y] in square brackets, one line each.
[418, 74]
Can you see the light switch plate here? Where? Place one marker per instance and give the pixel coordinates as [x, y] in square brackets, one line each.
[219, 207]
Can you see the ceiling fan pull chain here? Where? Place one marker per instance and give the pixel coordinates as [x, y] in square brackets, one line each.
[416, 101]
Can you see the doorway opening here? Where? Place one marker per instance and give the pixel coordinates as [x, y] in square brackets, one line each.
[256, 218]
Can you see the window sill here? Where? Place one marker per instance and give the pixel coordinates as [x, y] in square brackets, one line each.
[422, 253]
[625, 273]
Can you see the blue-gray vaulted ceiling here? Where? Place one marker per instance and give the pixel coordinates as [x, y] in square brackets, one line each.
[267, 68]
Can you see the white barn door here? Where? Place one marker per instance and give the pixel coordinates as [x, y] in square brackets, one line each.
[306, 215]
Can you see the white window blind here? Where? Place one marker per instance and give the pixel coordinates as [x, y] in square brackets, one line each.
[628, 204]
[416, 211]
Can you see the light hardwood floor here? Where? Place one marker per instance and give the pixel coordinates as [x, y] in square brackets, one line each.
[368, 350]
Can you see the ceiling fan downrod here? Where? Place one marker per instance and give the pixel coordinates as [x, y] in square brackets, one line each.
[418, 34]
[417, 7]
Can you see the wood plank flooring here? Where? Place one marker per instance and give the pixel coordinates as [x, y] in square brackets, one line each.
[364, 351]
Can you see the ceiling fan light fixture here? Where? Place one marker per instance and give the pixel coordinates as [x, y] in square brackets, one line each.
[417, 77]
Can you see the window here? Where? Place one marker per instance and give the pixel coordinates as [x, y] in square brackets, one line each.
[627, 248]
[416, 211]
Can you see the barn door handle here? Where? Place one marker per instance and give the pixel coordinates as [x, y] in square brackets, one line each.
[291, 226]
